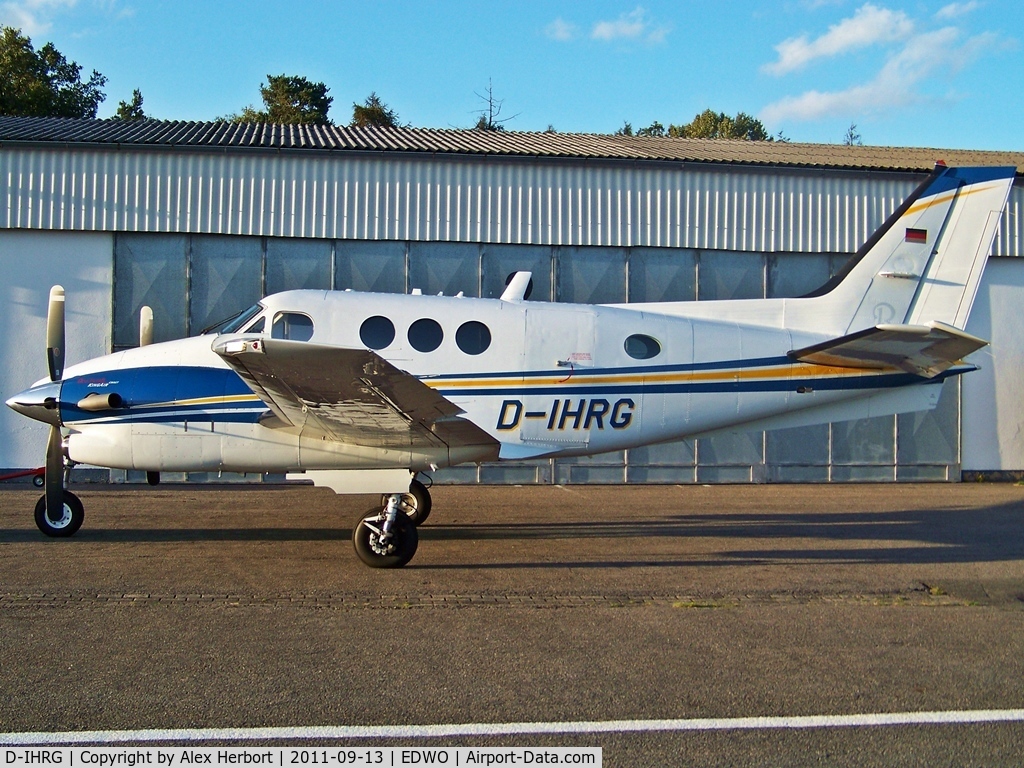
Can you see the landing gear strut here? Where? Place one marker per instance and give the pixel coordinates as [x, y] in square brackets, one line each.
[384, 537]
[415, 504]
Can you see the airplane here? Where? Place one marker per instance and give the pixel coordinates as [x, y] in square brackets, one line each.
[363, 392]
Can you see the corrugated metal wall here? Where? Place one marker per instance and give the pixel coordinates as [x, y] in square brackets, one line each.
[194, 280]
[201, 235]
[455, 199]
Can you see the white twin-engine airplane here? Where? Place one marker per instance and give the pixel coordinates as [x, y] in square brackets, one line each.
[360, 392]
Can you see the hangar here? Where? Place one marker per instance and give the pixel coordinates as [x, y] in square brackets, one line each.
[199, 220]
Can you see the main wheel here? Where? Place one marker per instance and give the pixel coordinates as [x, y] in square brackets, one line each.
[71, 518]
[377, 552]
[415, 504]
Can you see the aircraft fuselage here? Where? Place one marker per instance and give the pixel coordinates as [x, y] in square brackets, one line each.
[542, 379]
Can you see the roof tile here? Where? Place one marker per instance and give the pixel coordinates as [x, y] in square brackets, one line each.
[182, 134]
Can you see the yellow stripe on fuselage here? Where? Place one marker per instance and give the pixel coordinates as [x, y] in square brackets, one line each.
[796, 370]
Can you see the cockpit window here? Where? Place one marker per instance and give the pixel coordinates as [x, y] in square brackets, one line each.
[233, 323]
[258, 326]
[292, 325]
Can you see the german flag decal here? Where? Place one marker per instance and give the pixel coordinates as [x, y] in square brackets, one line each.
[917, 235]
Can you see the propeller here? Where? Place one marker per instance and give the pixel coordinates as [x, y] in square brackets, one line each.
[145, 326]
[55, 364]
[55, 333]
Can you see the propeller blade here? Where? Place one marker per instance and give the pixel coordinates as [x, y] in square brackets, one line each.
[55, 334]
[54, 476]
[145, 326]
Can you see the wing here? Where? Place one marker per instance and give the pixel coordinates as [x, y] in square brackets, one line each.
[349, 395]
[925, 350]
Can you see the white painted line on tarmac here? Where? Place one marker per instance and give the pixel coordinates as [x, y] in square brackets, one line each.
[456, 730]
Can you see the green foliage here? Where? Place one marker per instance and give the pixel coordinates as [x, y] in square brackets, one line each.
[288, 99]
[131, 110]
[484, 124]
[718, 125]
[654, 129]
[625, 130]
[852, 137]
[43, 83]
[373, 113]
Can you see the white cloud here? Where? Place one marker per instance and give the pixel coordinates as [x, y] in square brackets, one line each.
[868, 26]
[953, 10]
[896, 84]
[630, 26]
[32, 17]
[561, 30]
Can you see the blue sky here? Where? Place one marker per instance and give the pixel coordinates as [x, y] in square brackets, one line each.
[909, 73]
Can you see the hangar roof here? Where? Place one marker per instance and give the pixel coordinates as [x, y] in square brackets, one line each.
[181, 134]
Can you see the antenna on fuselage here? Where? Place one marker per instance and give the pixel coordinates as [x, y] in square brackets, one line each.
[518, 287]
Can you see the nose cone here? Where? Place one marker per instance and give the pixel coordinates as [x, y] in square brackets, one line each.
[40, 403]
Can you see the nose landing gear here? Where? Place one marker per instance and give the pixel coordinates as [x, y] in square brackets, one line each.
[62, 522]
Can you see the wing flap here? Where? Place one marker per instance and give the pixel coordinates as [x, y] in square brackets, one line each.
[925, 350]
[349, 395]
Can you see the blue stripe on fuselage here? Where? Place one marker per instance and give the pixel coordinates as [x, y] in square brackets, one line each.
[155, 393]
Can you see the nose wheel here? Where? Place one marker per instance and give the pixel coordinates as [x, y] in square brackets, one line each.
[62, 522]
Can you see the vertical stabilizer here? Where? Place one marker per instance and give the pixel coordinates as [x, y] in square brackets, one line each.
[924, 264]
[960, 251]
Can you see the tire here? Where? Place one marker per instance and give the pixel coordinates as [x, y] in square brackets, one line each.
[38, 481]
[415, 504]
[400, 548]
[68, 525]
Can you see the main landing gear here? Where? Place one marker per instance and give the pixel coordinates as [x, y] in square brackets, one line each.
[384, 537]
[415, 504]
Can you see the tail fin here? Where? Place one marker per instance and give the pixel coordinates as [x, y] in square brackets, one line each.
[925, 263]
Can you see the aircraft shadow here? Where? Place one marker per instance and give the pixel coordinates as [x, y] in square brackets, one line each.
[986, 534]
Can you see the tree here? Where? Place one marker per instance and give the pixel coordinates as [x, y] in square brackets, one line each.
[654, 129]
[625, 130]
[852, 137]
[717, 125]
[43, 83]
[289, 99]
[373, 113]
[489, 116]
[131, 110]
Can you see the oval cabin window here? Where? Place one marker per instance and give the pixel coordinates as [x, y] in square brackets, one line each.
[641, 347]
[377, 332]
[473, 337]
[425, 335]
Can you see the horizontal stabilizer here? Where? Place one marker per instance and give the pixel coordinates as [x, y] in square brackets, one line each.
[925, 350]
